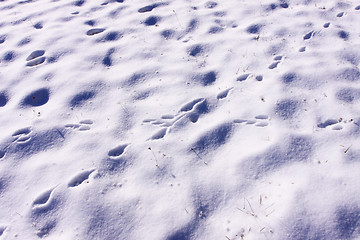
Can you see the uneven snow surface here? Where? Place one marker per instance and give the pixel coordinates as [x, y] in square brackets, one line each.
[179, 119]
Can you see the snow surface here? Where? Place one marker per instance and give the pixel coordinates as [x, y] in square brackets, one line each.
[179, 119]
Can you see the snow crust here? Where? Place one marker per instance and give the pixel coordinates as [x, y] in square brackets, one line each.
[181, 119]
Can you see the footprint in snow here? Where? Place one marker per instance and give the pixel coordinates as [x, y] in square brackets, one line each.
[2, 154]
[259, 78]
[277, 60]
[117, 151]
[83, 125]
[2, 230]
[80, 178]
[35, 58]
[223, 94]
[22, 135]
[43, 198]
[258, 121]
[309, 35]
[335, 124]
[95, 31]
[149, 8]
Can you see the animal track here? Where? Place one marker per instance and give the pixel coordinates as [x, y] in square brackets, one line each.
[327, 123]
[339, 15]
[258, 121]
[335, 124]
[223, 94]
[43, 213]
[82, 126]
[192, 110]
[38, 25]
[259, 78]
[309, 35]
[277, 60]
[22, 135]
[149, 8]
[2, 230]
[43, 198]
[35, 54]
[80, 178]
[190, 105]
[2, 154]
[2, 39]
[95, 31]
[243, 77]
[167, 117]
[36, 62]
[160, 134]
[117, 151]
[35, 58]
[326, 25]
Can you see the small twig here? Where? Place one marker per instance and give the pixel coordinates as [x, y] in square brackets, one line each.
[348, 149]
[251, 208]
[178, 19]
[157, 165]
[62, 135]
[192, 149]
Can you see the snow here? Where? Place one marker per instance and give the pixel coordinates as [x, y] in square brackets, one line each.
[129, 119]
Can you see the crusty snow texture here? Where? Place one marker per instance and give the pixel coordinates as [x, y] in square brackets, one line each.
[179, 119]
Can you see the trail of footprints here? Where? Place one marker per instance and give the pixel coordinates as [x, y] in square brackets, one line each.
[192, 111]
[45, 201]
[336, 124]
[41, 96]
[22, 135]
